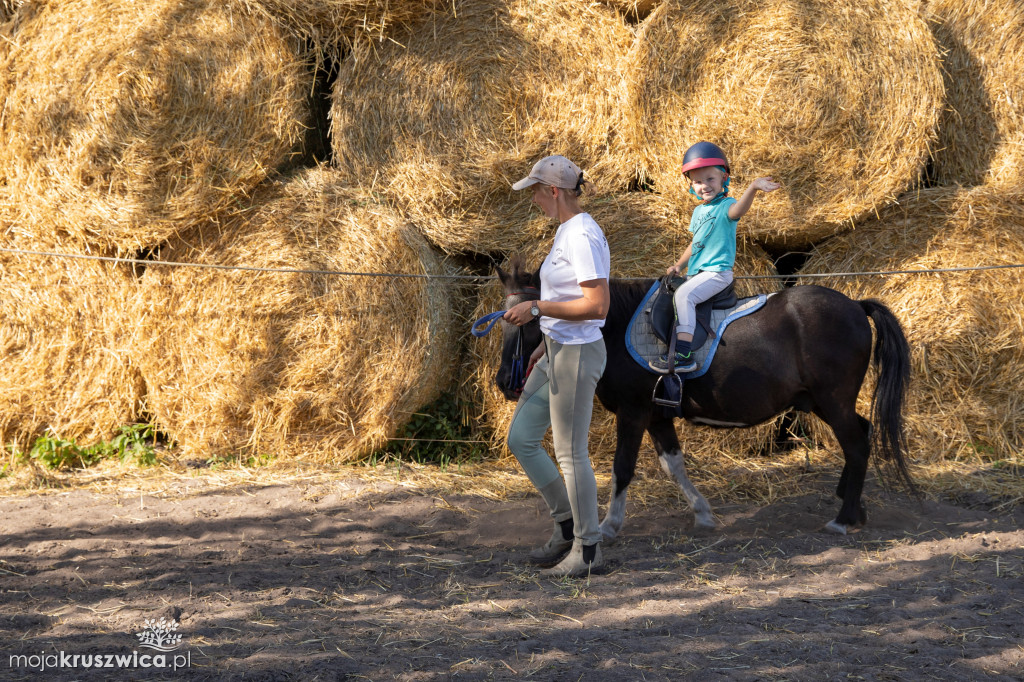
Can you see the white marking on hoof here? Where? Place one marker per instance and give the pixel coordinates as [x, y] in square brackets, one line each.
[705, 521]
[616, 515]
[834, 527]
[672, 464]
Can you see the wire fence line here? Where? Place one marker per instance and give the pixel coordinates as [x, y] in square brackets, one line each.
[477, 278]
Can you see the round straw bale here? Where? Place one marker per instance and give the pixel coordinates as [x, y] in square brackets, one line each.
[126, 121]
[320, 366]
[837, 101]
[644, 241]
[443, 120]
[63, 359]
[964, 328]
[981, 132]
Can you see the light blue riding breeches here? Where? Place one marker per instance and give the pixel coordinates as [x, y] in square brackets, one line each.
[559, 394]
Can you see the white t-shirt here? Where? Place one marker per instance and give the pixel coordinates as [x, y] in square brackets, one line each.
[578, 254]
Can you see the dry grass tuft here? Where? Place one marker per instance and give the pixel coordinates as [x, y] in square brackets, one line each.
[322, 367]
[981, 132]
[444, 119]
[837, 101]
[63, 359]
[645, 237]
[125, 122]
[964, 329]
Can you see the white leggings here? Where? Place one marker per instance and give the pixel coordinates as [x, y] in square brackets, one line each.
[694, 290]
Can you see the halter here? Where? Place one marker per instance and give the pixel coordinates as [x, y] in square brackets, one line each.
[518, 369]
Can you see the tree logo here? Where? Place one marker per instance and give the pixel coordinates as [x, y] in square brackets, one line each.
[160, 634]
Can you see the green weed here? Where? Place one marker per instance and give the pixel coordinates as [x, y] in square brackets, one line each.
[134, 443]
[439, 434]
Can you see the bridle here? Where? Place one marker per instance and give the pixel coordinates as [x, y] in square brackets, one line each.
[518, 371]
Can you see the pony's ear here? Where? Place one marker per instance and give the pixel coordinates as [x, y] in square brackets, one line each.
[502, 275]
[535, 279]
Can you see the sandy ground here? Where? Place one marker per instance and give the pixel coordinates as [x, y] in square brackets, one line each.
[341, 579]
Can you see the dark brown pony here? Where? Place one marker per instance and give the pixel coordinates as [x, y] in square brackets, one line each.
[807, 349]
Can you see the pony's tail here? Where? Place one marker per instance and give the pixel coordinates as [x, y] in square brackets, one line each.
[892, 361]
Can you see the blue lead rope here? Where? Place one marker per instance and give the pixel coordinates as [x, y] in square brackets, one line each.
[518, 368]
[490, 320]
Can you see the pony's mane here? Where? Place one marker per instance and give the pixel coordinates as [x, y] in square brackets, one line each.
[626, 295]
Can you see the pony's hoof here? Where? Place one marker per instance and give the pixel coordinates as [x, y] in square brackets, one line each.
[608, 535]
[704, 523]
[834, 527]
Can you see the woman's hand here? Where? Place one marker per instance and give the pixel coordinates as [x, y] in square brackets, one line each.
[519, 314]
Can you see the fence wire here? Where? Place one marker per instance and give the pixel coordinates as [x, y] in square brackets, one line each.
[482, 279]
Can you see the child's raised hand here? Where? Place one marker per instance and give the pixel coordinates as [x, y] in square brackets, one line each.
[672, 270]
[765, 184]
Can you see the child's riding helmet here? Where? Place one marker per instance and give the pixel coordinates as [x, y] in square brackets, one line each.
[704, 154]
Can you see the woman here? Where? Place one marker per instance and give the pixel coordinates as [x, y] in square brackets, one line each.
[566, 367]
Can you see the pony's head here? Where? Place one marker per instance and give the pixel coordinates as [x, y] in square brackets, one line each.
[518, 284]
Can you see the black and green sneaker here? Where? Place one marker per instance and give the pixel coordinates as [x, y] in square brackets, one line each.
[683, 363]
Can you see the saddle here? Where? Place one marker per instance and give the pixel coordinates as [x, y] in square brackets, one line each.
[663, 311]
[652, 332]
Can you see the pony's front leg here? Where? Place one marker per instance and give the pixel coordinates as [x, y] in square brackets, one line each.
[629, 433]
[670, 454]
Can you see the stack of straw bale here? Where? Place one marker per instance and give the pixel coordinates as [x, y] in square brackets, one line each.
[314, 365]
[127, 121]
[981, 136]
[837, 101]
[64, 364]
[644, 240]
[964, 329]
[444, 119]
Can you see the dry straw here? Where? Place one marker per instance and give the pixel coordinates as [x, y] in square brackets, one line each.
[981, 135]
[838, 101]
[63, 360]
[964, 329]
[8, 8]
[331, 23]
[644, 237]
[126, 121]
[633, 10]
[323, 367]
[444, 119]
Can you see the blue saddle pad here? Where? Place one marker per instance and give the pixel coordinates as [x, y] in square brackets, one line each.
[644, 345]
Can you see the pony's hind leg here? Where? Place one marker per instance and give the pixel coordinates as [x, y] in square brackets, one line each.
[854, 436]
[670, 455]
[629, 433]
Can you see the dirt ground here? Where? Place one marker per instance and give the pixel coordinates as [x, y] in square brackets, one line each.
[346, 579]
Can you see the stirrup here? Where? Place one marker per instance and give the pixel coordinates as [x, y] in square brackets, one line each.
[668, 402]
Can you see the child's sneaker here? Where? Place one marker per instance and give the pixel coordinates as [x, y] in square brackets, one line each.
[683, 363]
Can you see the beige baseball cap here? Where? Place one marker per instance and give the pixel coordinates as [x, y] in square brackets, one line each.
[556, 171]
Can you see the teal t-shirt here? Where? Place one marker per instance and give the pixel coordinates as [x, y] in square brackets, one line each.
[714, 237]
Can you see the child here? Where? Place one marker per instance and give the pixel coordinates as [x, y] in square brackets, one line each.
[710, 256]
